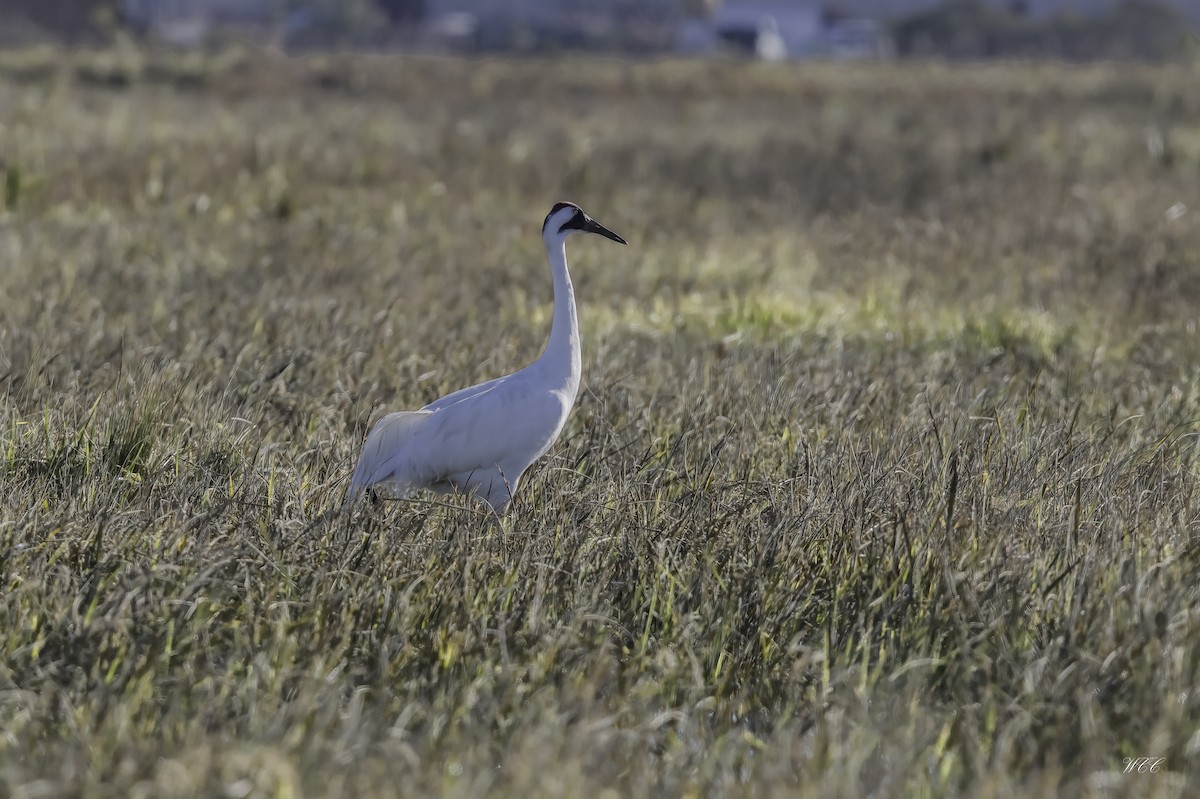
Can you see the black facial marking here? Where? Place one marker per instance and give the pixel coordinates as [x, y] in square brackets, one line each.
[576, 222]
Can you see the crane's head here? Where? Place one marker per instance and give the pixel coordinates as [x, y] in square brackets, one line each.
[567, 218]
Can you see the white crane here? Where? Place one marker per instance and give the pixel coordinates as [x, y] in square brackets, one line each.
[481, 439]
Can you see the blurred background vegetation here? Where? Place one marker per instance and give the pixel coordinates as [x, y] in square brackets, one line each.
[971, 29]
[1157, 30]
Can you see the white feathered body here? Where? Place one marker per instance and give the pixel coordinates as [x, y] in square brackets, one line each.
[478, 440]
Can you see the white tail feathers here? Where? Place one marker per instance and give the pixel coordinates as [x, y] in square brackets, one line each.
[383, 458]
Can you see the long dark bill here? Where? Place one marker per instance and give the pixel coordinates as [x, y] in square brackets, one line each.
[592, 226]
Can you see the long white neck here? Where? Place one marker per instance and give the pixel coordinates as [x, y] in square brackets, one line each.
[562, 359]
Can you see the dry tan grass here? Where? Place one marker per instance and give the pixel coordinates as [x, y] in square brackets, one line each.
[883, 482]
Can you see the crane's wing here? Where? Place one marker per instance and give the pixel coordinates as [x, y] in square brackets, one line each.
[384, 443]
[465, 393]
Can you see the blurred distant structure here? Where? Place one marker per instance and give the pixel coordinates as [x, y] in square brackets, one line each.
[764, 29]
[777, 29]
[838, 29]
[303, 23]
[189, 23]
[541, 25]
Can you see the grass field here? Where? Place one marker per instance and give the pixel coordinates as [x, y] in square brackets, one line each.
[883, 480]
